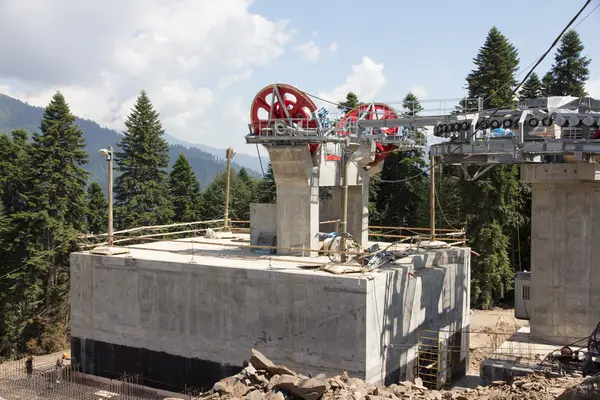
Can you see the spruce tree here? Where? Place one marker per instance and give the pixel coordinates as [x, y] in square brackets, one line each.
[266, 190]
[493, 78]
[570, 70]
[184, 190]
[405, 203]
[349, 104]
[532, 88]
[489, 202]
[213, 198]
[97, 206]
[48, 228]
[244, 193]
[142, 190]
[547, 83]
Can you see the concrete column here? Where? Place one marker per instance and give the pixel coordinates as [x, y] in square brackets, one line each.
[358, 209]
[297, 199]
[565, 260]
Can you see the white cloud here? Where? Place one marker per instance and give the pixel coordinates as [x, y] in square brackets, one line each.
[333, 47]
[100, 55]
[309, 51]
[593, 88]
[366, 81]
[419, 91]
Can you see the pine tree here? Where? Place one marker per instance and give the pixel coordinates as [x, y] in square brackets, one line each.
[184, 190]
[47, 230]
[493, 78]
[404, 203]
[213, 198]
[532, 88]
[97, 206]
[142, 191]
[266, 190]
[570, 70]
[350, 103]
[243, 193]
[490, 210]
[547, 83]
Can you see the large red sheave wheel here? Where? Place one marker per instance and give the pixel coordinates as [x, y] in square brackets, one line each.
[286, 103]
[372, 111]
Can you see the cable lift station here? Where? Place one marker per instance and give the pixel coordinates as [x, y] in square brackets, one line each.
[555, 140]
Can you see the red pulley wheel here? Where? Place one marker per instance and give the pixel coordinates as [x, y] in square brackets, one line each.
[271, 104]
[372, 111]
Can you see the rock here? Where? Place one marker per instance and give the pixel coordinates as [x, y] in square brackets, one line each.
[448, 395]
[307, 389]
[250, 370]
[225, 385]
[418, 382]
[274, 396]
[239, 389]
[260, 361]
[399, 390]
[406, 384]
[345, 376]
[255, 395]
[375, 397]
[435, 394]
[383, 392]
[498, 383]
[527, 385]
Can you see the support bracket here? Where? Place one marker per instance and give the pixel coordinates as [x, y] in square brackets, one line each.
[480, 172]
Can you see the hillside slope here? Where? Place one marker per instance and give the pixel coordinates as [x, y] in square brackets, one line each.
[15, 114]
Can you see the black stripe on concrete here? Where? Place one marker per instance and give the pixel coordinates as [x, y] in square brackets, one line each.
[156, 369]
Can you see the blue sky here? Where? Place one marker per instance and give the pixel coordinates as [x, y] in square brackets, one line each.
[428, 43]
[202, 61]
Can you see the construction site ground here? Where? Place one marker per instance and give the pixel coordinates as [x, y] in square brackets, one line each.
[488, 330]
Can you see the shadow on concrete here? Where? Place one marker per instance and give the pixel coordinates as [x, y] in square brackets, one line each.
[434, 295]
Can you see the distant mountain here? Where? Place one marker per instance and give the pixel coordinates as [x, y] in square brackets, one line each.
[15, 114]
[245, 160]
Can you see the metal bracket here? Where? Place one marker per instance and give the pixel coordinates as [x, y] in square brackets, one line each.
[481, 171]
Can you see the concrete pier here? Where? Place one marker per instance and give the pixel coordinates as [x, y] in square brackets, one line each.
[181, 314]
[565, 258]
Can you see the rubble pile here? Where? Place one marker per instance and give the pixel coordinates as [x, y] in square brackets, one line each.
[261, 379]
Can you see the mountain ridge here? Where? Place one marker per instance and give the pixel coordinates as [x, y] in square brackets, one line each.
[16, 114]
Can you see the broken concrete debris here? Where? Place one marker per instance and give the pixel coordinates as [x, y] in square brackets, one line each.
[261, 379]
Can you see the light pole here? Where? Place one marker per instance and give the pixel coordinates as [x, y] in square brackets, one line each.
[108, 154]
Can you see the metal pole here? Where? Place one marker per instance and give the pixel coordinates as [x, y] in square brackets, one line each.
[229, 157]
[110, 195]
[344, 222]
[432, 196]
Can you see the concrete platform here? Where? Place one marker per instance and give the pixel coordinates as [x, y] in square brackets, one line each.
[188, 312]
[517, 356]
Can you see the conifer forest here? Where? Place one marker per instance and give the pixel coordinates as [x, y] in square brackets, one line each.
[48, 199]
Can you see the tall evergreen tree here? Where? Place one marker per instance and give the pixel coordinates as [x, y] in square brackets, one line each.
[48, 228]
[213, 198]
[142, 190]
[493, 78]
[570, 70]
[547, 83]
[350, 103]
[97, 208]
[490, 210]
[266, 190]
[244, 193]
[532, 88]
[14, 164]
[405, 203]
[184, 190]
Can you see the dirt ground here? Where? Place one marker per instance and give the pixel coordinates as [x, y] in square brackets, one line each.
[489, 329]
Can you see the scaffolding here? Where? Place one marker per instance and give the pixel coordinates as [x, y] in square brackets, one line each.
[47, 381]
[434, 359]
